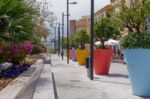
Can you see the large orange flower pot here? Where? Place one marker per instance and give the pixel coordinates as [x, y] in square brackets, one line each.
[81, 56]
[102, 60]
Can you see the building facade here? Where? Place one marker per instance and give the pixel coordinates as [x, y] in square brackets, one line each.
[105, 11]
[72, 27]
[83, 24]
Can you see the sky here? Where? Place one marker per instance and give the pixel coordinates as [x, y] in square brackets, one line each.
[82, 7]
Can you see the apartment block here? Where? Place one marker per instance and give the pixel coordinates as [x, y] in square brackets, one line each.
[72, 27]
[83, 24]
[105, 11]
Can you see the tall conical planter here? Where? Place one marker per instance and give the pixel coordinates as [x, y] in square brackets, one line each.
[138, 63]
[73, 55]
[81, 56]
[102, 60]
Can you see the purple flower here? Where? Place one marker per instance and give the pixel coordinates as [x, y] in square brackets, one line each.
[28, 46]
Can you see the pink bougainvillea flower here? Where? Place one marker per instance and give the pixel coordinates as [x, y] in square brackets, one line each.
[28, 46]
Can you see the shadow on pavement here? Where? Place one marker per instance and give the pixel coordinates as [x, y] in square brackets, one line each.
[145, 97]
[118, 75]
[95, 79]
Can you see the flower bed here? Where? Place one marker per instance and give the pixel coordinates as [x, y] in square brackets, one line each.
[16, 58]
[4, 82]
[24, 84]
[9, 71]
[14, 70]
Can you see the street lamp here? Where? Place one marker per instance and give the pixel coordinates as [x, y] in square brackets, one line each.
[68, 28]
[58, 39]
[92, 40]
[62, 54]
[55, 37]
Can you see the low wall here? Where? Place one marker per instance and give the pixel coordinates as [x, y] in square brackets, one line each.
[23, 86]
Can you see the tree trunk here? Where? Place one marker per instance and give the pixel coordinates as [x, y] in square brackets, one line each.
[103, 45]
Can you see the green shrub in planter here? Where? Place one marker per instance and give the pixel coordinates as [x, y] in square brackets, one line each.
[81, 38]
[137, 45]
[136, 40]
[105, 29]
[137, 54]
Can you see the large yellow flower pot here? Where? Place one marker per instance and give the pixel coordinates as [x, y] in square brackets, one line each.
[81, 56]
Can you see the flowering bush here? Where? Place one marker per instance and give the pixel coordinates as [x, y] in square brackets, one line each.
[37, 49]
[28, 46]
[14, 48]
[44, 48]
[15, 53]
[1, 48]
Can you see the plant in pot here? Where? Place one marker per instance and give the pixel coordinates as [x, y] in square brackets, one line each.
[136, 45]
[105, 29]
[81, 39]
[73, 46]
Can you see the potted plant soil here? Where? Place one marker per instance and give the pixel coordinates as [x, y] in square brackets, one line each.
[136, 45]
[81, 39]
[105, 29]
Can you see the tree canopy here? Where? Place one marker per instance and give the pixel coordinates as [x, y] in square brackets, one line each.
[105, 29]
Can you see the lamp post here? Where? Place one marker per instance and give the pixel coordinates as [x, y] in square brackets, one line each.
[58, 39]
[92, 40]
[62, 54]
[55, 37]
[68, 28]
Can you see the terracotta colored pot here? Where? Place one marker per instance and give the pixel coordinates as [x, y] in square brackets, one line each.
[81, 56]
[73, 55]
[102, 60]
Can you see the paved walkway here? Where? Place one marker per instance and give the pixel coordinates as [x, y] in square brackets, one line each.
[72, 82]
[44, 88]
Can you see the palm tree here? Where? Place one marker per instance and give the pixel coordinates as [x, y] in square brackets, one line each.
[16, 20]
